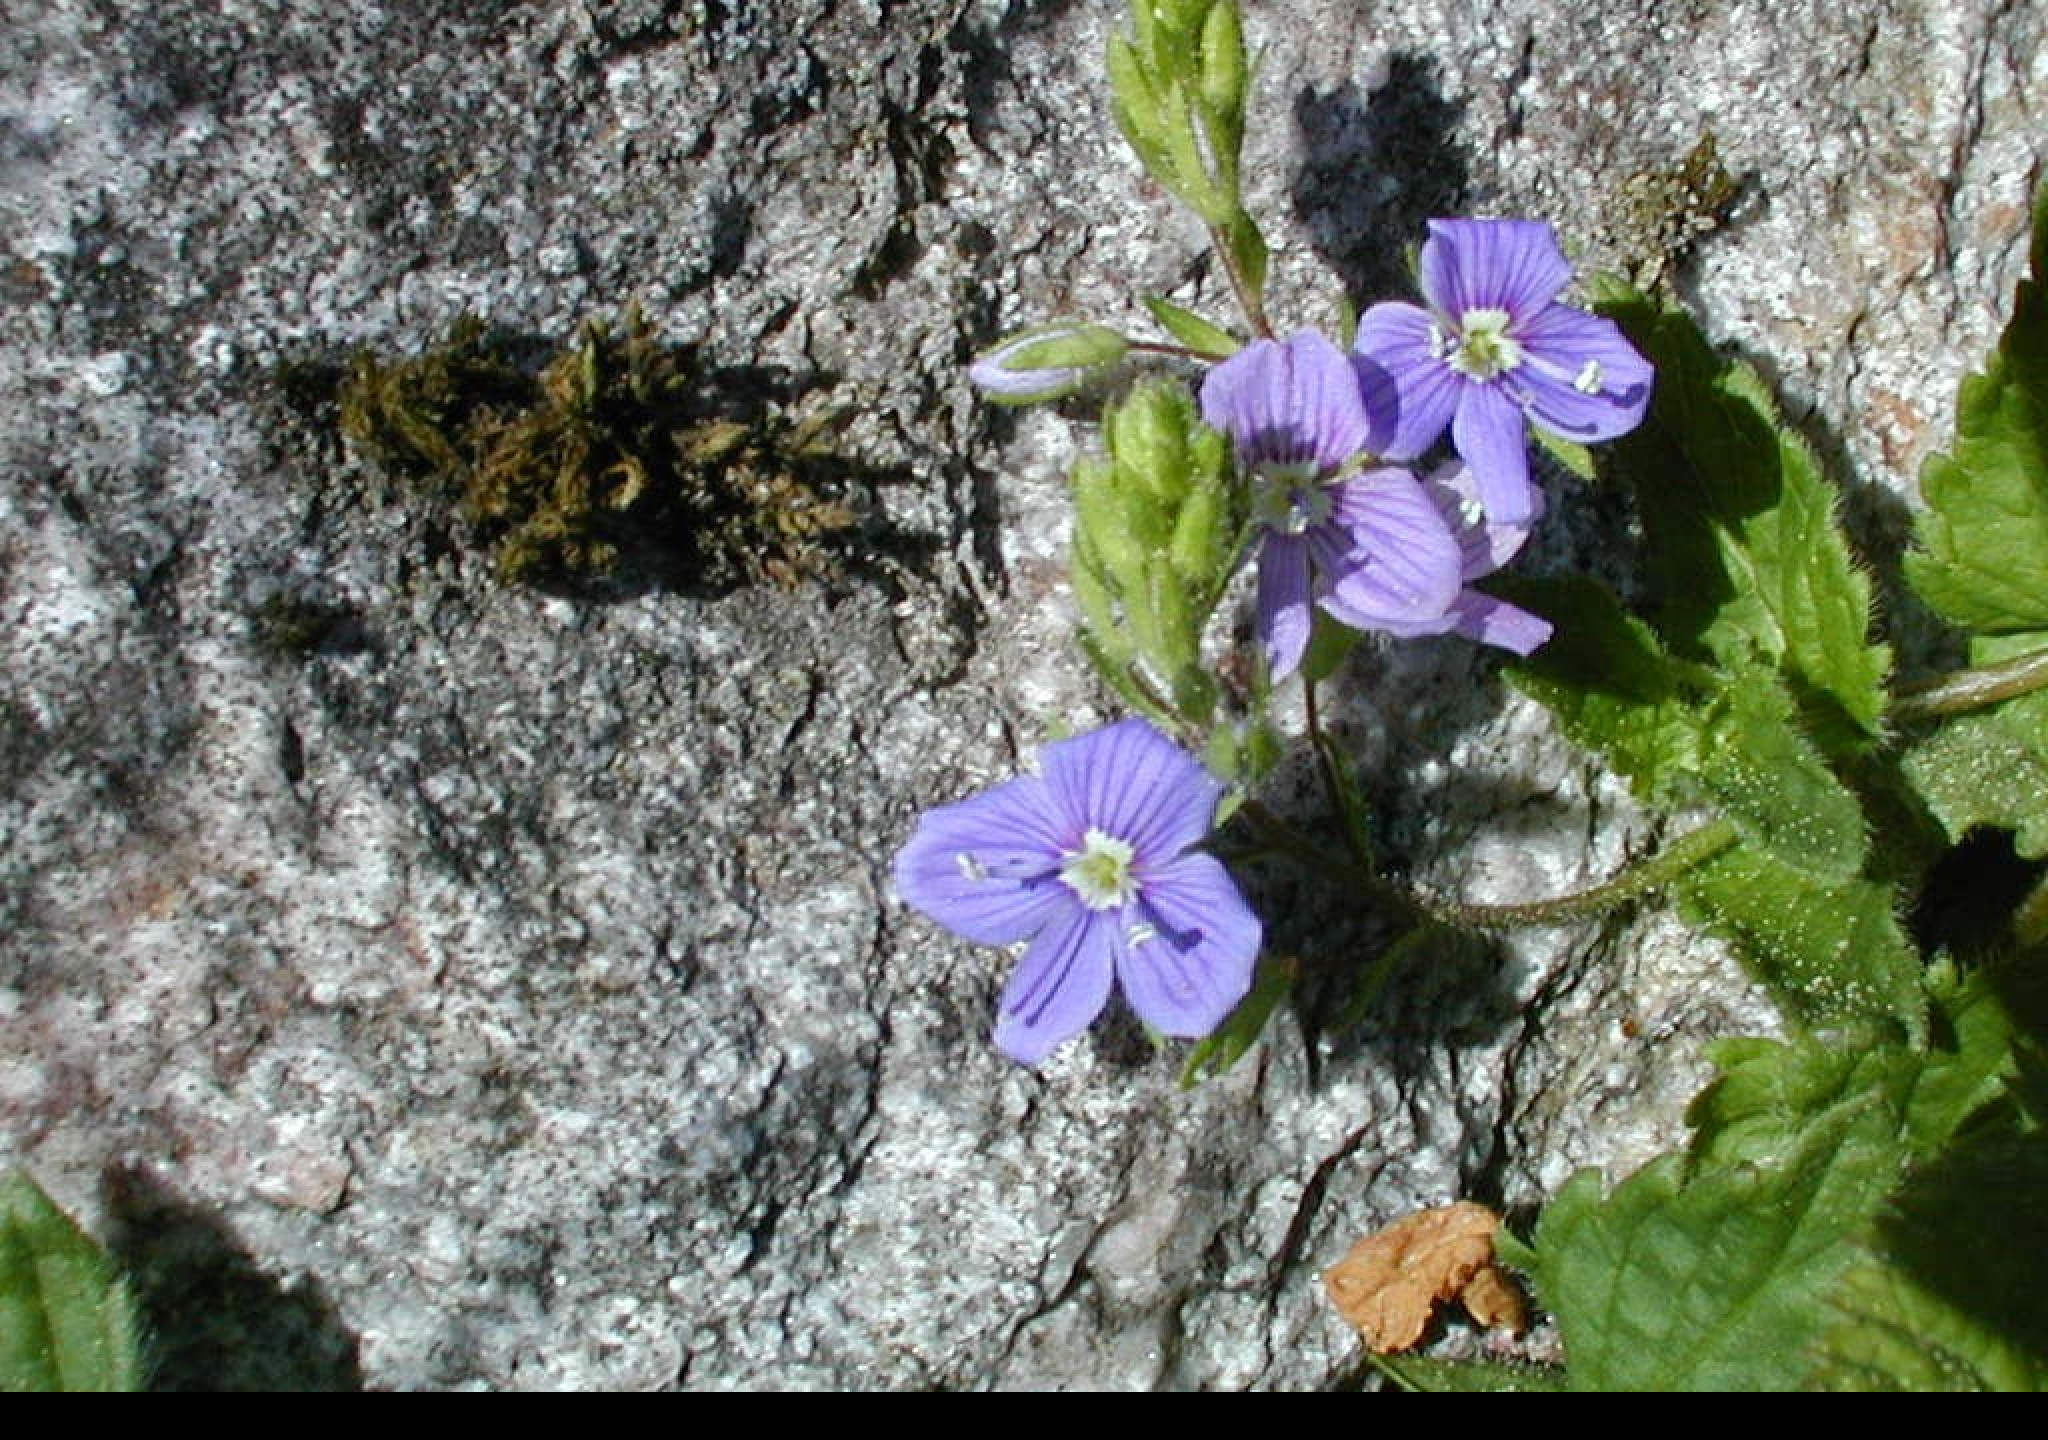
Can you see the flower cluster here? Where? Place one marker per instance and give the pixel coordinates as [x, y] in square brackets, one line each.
[1091, 866]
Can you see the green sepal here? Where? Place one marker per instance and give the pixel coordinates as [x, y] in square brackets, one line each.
[1575, 459]
[67, 1320]
[1210, 341]
[1155, 538]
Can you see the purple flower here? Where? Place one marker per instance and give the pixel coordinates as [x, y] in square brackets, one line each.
[1495, 351]
[1486, 545]
[1369, 547]
[1090, 863]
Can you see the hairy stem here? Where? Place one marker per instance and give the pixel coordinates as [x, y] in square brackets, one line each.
[1961, 691]
[1684, 854]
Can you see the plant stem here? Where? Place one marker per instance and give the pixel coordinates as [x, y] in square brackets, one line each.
[1340, 794]
[1961, 691]
[1684, 854]
[1247, 298]
[1688, 852]
[1176, 352]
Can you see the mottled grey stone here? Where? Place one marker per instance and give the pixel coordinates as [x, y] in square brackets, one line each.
[511, 984]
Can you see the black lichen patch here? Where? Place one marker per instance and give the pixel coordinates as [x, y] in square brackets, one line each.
[616, 456]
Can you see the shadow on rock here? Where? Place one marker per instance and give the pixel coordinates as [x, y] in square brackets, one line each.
[1374, 169]
[212, 1320]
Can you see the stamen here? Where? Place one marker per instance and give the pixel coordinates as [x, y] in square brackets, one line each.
[1485, 349]
[1100, 873]
[1589, 378]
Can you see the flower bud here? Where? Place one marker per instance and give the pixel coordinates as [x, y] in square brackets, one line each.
[1046, 362]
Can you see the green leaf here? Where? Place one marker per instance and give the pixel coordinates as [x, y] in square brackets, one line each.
[1952, 1295]
[1770, 1091]
[1742, 543]
[1861, 1203]
[1605, 676]
[1212, 341]
[1706, 1282]
[1828, 953]
[1983, 560]
[1991, 767]
[67, 1321]
[1413, 1372]
[1776, 787]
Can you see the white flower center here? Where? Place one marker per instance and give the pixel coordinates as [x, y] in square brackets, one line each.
[1484, 348]
[1288, 500]
[1100, 873]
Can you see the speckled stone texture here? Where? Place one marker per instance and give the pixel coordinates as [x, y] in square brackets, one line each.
[505, 990]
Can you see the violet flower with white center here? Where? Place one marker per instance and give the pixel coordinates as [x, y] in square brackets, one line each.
[1369, 546]
[1495, 352]
[1092, 863]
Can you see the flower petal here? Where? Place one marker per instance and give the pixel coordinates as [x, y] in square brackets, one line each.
[1401, 563]
[1484, 544]
[1283, 617]
[1292, 402]
[1479, 616]
[1129, 781]
[1492, 438]
[1511, 265]
[1396, 337]
[1584, 379]
[1059, 986]
[1189, 961]
[987, 868]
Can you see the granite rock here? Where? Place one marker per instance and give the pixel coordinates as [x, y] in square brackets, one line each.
[497, 986]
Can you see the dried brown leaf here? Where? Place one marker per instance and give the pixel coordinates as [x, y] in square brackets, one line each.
[1391, 1282]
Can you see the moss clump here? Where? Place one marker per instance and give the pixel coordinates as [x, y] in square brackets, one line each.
[1659, 216]
[614, 448]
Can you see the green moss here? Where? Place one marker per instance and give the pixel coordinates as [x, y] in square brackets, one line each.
[615, 448]
[1659, 216]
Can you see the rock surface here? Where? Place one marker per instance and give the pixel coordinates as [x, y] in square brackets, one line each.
[503, 988]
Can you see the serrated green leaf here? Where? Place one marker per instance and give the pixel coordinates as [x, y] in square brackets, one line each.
[1606, 678]
[1469, 1377]
[1770, 1091]
[1205, 339]
[1828, 954]
[1742, 542]
[1991, 767]
[1983, 560]
[1859, 1202]
[1954, 1292]
[1706, 1282]
[67, 1322]
[1775, 786]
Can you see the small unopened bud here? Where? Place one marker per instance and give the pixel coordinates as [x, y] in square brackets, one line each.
[1046, 362]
